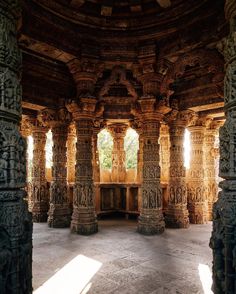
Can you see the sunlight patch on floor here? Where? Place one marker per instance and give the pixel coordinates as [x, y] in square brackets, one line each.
[72, 278]
[205, 277]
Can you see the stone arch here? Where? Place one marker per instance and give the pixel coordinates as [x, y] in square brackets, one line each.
[209, 58]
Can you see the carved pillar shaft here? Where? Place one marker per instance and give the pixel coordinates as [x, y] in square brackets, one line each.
[40, 192]
[58, 120]
[164, 153]
[96, 164]
[118, 172]
[151, 217]
[223, 241]
[15, 221]
[26, 132]
[177, 213]
[71, 154]
[59, 211]
[210, 183]
[197, 202]
[84, 219]
[140, 159]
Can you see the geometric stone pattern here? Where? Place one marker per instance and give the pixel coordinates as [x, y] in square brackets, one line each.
[15, 220]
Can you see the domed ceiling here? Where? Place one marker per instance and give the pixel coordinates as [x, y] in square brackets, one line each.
[123, 14]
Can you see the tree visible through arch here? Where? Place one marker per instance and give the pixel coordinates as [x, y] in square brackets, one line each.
[131, 149]
[105, 146]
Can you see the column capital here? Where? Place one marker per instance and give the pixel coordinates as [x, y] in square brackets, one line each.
[199, 122]
[150, 108]
[54, 117]
[85, 73]
[213, 127]
[85, 108]
[164, 130]
[99, 124]
[26, 126]
[118, 129]
[72, 130]
[34, 125]
[182, 118]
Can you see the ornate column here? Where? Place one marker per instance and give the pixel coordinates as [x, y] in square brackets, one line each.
[40, 192]
[98, 125]
[151, 219]
[177, 212]
[84, 220]
[164, 153]
[71, 151]
[210, 184]
[25, 129]
[197, 202]
[118, 132]
[223, 241]
[15, 220]
[137, 126]
[59, 211]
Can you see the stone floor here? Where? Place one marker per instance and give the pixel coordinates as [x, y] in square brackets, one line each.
[119, 260]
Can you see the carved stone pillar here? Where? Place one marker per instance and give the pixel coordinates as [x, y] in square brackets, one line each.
[197, 202]
[25, 129]
[151, 219]
[40, 192]
[98, 125]
[118, 132]
[71, 154]
[177, 213]
[164, 153]
[84, 220]
[59, 211]
[15, 220]
[210, 183]
[137, 126]
[223, 241]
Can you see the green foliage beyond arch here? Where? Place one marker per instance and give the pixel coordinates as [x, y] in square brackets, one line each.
[131, 148]
[105, 146]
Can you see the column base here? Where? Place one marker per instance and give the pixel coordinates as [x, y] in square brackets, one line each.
[84, 222]
[59, 216]
[177, 217]
[151, 222]
[198, 213]
[39, 212]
